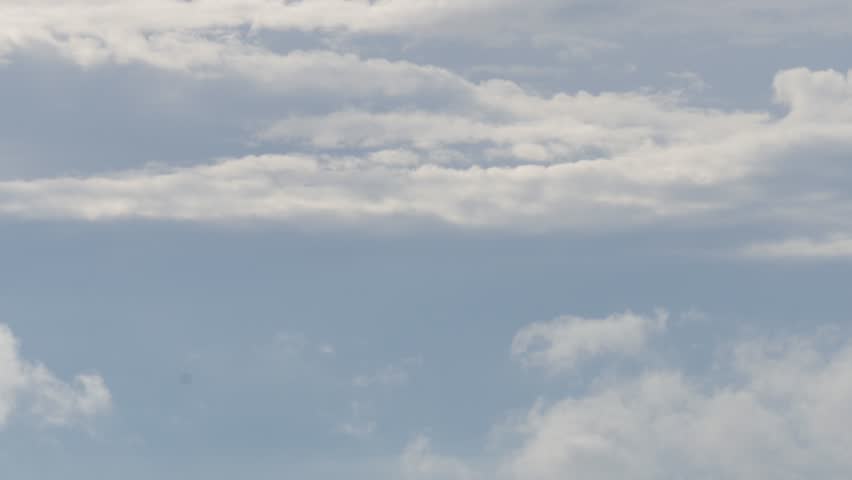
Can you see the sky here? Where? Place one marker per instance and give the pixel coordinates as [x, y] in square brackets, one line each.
[425, 239]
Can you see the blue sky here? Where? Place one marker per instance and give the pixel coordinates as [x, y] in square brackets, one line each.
[418, 239]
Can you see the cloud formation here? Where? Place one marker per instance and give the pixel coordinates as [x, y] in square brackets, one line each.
[175, 34]
[376, 135]
[779, 414]
[469, 115]
[561, 344]
[613, 160]
[28, 385]
[768, 408]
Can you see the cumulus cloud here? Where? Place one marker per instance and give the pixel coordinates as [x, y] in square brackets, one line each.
[768, 408]
[563, 343]
[779, 413]
[28, 385]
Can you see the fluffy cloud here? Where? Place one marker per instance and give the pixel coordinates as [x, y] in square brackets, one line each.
[779, 413]
[814, 96]
[50, 399]
[768, 408]
[563, 343]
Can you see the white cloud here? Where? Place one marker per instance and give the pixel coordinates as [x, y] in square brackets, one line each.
[32, 385]
[60, 403]
[218, 37]
[500, 113]
[12, 375]
[470, 154]
[777, 409]
[768, 408]
[165, 33]
[85, 16]
[509, 160]
[443, 148]
[563, 343]
[209, 45]
[814, 96]
[300, 188]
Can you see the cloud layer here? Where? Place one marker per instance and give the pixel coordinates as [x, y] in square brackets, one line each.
[371, 135]
[173, 34]
[508, 160]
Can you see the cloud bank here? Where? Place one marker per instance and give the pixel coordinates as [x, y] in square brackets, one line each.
[175, 34]
[564, 162]
[371, 135]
